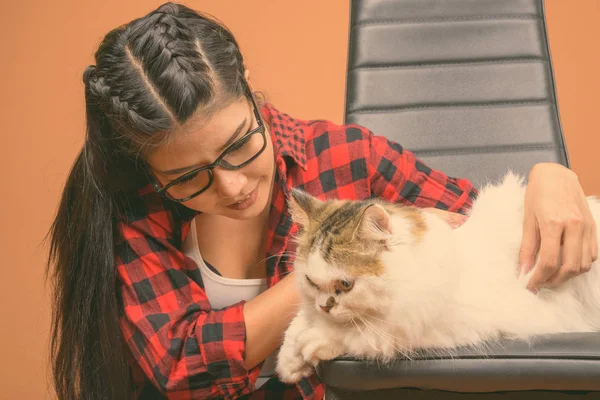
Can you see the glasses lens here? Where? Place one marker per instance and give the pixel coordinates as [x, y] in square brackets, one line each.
[245, 149]
[189, 185]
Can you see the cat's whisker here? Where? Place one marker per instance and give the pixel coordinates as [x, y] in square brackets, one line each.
[283, 254]
[392, 342]
[363, 334]
[402, 350]
[381, 320]
[436, 352]
[389, 323]
[391, 339]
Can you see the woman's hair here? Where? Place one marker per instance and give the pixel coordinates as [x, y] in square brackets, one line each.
[151, 76]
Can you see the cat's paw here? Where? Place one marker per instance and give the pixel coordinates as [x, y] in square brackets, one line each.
[291, 366]
[316, 352]
[315, 347]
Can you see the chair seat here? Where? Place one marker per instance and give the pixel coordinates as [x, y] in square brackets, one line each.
[468, 87]
[557, 362]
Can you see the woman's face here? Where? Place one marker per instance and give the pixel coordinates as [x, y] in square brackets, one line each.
[238, 194]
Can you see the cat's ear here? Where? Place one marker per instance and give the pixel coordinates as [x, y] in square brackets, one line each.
[303, 206]
[374, 224]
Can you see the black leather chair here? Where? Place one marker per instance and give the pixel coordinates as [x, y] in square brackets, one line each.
[468, 86]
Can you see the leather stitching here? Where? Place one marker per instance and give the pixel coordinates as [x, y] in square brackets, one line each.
[446, 19]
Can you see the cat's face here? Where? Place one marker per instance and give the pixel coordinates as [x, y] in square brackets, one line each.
[339, 255]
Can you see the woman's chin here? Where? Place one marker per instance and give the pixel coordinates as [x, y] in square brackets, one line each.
[253, 210]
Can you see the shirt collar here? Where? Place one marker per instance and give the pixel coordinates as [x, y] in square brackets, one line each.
[287, 134]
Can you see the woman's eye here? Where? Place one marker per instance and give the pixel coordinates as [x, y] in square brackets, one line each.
[238, 146]
[185, 180]
[344, 285]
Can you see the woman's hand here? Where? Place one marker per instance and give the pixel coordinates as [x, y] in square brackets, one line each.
[556, 213]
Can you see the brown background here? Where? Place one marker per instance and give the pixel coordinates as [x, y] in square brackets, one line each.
[296, 51]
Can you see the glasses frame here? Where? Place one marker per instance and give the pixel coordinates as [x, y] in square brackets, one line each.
[219, 162]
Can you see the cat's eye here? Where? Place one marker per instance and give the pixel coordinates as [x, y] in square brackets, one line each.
[311, 282]
[344, 285]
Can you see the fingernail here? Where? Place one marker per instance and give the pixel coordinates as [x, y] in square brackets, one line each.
[524, 268]
[533, 290]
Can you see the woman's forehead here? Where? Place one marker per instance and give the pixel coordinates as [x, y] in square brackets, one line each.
[201, 139]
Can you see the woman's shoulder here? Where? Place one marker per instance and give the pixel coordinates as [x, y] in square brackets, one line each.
[283, 121]
[151, 217]
[314, 135]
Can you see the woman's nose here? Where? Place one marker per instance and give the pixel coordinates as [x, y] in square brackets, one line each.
[229, 184]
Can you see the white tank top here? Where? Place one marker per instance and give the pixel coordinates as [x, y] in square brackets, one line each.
[223, 292]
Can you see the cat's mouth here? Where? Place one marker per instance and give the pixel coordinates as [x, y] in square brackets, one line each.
[337, 315]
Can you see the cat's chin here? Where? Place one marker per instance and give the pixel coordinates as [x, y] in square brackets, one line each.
[340, 319]
[348, 317]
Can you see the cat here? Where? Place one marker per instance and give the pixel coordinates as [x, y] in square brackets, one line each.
[380, 279]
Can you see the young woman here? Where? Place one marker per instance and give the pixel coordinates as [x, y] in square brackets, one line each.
[171, 249]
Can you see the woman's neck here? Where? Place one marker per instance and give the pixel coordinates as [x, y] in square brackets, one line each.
[236, 248]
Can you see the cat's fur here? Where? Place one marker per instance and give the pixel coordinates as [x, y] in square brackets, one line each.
[393, 279]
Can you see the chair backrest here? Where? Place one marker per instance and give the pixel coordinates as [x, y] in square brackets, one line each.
[467, 85]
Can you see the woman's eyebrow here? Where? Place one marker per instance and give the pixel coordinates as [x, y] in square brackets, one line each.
[235, 134]
[231, 139]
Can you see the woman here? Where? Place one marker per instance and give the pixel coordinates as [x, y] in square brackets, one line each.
[171, 247]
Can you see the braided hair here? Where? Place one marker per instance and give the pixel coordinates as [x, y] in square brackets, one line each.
[150, 76]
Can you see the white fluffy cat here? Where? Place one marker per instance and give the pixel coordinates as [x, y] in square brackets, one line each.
[378, 280]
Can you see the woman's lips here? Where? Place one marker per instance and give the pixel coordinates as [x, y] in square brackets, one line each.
[246, 202]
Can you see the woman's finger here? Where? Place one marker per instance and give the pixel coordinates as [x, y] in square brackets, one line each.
[549, 260]
[594, 242]
[530, 243]
[570, 265]
[586, 253]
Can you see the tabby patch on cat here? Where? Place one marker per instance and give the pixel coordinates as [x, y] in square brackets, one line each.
[379, 279]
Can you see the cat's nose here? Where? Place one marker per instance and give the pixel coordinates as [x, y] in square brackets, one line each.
[329, 305]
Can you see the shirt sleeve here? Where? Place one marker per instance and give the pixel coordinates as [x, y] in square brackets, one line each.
[186, 349]
[397, 175]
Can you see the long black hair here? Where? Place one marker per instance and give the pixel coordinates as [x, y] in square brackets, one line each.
[151, 76]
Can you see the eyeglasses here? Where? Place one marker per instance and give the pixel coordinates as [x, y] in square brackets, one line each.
[237, 155]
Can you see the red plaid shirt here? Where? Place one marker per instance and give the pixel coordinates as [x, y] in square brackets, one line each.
[181, 346]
